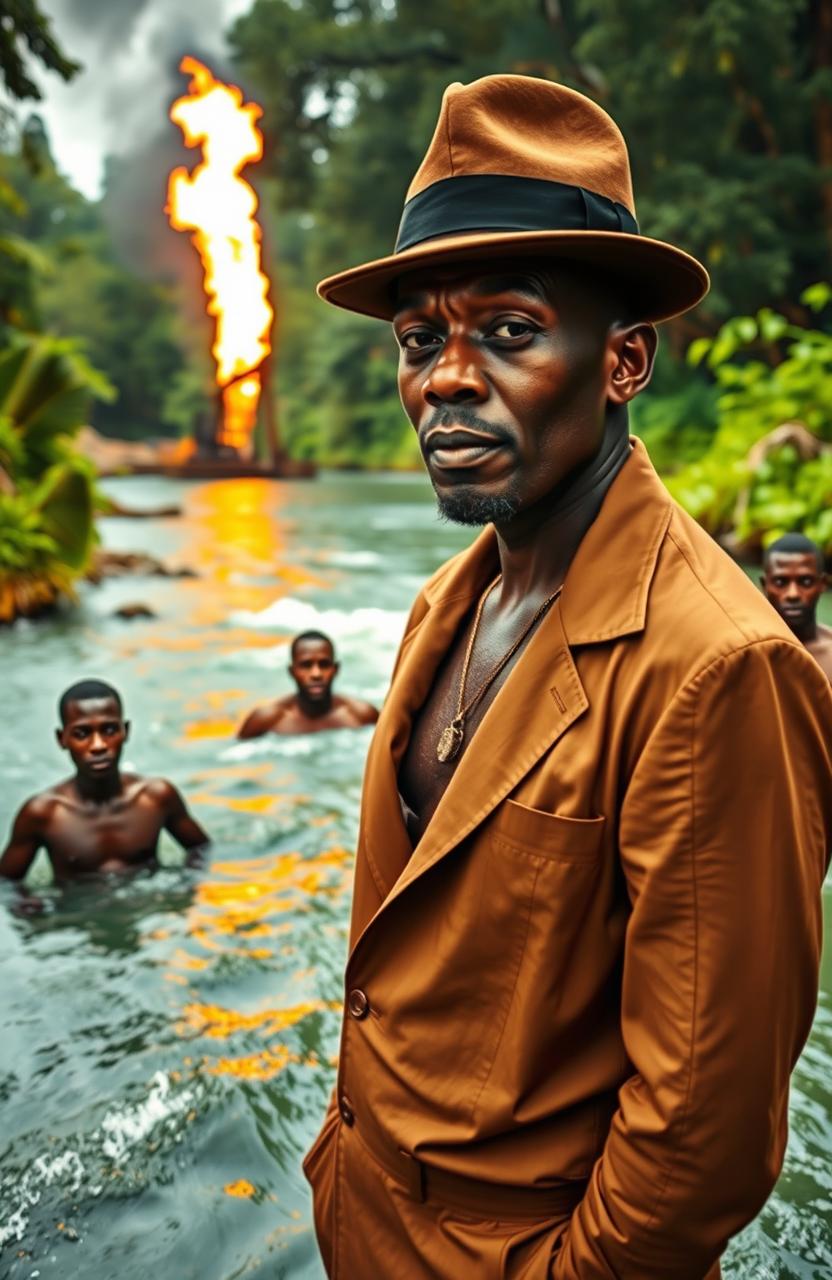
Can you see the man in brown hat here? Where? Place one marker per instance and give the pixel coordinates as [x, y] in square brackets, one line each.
[586, 921]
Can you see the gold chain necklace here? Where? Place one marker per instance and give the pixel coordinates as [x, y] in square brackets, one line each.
[451, 737]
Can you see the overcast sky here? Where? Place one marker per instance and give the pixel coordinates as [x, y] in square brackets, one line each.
[130, 50]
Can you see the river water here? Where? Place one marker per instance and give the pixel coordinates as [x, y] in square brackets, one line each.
[167, 1044]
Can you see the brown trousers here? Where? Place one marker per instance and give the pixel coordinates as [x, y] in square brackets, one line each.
[371, 1227]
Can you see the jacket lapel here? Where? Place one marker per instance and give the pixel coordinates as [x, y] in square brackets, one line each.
[541, 698]
[383, 839]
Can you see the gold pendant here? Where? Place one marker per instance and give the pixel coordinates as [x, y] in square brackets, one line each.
[450, 740]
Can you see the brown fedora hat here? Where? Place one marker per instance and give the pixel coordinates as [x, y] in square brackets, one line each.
[520, 167]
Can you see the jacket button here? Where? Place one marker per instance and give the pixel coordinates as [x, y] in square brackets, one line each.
[347, 1113]
[358, 1004]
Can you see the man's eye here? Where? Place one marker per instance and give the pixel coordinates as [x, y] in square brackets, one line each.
[807, 582]
[512, 329]
[419, 340]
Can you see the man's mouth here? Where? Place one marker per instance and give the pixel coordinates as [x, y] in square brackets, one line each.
[457, 448]
[100, 765]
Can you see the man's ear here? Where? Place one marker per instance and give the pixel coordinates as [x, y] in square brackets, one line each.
[632, 351]
[126, 730]
[336, 667]
[59, 738]
[763, 581]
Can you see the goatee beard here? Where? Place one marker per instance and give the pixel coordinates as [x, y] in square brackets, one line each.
[471, 508]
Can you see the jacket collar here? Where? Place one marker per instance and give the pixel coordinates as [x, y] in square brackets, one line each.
[608, 583]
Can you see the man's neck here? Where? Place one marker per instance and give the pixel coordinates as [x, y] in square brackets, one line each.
[536, 548]
[314, 710]
[99, 790]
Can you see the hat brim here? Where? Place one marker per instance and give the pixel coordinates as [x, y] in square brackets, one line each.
[660, 280]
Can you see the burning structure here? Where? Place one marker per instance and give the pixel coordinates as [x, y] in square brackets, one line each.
[218, 207]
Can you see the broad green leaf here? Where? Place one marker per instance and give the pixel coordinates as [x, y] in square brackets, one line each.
[64, 502]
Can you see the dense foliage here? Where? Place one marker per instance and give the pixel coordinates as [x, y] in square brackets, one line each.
[726, 108]
[60, 270]
[46, 489]
[25, 32]
[768, 469]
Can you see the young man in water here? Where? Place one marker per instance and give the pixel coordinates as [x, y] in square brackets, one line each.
[587, 910]
[314, 707]
[794, 581]
[101, 819]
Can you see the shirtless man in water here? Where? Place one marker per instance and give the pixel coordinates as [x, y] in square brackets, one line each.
[101, 819]
[794, 581]
[313, 669]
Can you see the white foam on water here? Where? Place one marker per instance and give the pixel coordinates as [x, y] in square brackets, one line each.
[119, 1132]
[354, 559]
[274, 745]
[292, 615]
[126, 1127]
[43, 1172]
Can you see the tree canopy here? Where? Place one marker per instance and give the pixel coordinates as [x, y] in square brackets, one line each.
[725, 106]
[23, 23]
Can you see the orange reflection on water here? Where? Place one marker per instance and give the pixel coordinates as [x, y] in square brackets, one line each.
[242, 1188]
[216, 699]
[218, 1023]
[195, 730]
[239, 517]
[241, 908]
[182, 960]
[254, 1066]
[249, 770]
[210, 943]
[245, 804]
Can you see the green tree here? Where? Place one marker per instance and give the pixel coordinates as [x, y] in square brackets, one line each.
[23, 23]
[768, 469]
[727, 109]
[46, 489]
[60, 270]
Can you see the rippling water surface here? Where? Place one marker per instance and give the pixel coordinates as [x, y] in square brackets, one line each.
[166, 1044]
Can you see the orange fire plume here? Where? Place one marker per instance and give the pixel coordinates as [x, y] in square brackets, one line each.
[219, 207]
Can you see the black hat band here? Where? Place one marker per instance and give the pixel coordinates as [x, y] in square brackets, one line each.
[498, 202]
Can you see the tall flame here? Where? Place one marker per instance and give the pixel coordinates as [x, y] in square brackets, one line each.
[219, 207]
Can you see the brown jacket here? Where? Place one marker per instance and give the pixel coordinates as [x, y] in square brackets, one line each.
[601, 960]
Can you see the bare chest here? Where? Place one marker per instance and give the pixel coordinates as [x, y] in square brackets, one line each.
[81, 839]
[423, 776]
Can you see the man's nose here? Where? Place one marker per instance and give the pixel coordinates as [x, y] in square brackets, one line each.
[456, 378]
[97, 744]
[792, 591]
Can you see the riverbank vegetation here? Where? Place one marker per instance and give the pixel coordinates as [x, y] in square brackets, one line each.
[47, 493]
[726, 111]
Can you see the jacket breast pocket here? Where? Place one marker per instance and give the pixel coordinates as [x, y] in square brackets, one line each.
[547, 835]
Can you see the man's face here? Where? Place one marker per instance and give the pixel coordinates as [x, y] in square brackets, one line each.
[94, 734]
[793, 583]
[504, 376]
[313, 669]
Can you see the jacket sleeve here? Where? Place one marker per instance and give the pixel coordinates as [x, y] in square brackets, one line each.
[724, 832]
